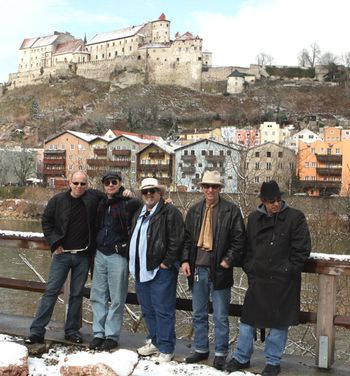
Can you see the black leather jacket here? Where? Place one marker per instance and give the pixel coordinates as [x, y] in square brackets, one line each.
[165, 235]
[55, 219]
[229, 242]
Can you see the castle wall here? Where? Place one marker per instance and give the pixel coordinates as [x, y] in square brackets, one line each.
[216, 74]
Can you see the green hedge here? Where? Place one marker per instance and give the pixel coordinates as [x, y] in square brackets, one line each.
[11, 192]
[291, 72]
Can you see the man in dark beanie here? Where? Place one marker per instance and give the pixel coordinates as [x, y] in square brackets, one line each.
[277, 247]
[110, 274]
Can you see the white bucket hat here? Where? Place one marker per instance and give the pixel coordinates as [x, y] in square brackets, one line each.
[211, 177]
[149, 183]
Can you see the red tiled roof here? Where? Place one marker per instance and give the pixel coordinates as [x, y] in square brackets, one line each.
[69, 46]
[118, 132]
[162, 17]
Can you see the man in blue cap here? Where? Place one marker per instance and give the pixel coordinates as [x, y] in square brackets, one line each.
[277, 247]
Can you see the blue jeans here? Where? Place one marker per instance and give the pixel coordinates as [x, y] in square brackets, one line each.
[157, 299]
[110, 281]
[202, 289]
[60, 266]
[275, 343]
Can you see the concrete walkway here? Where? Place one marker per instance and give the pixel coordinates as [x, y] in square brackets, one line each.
[291, 365]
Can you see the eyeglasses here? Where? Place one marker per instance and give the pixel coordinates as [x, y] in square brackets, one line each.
[152, 191]
[108, 182]
[274, 200]
[81, 183]
[213, 186]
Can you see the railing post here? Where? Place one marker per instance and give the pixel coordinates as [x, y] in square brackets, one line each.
[325, 330]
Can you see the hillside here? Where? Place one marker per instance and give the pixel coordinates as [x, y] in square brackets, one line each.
[33, 113]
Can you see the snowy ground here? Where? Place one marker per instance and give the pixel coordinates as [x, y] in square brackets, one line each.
[50, 363]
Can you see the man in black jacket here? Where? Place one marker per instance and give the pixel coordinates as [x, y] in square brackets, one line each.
[69, 227]
[278, 246]
[110, 273]
[214, 243]
[155, 249]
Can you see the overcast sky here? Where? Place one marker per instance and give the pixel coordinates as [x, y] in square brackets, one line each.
[235, 31]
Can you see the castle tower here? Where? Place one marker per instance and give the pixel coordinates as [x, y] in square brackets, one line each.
[161, 30]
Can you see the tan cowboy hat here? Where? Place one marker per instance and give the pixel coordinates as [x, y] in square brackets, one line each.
[149, 183]
[211, 177]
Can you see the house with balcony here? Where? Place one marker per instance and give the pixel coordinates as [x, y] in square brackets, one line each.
[65, 153]
[122, 155]
[97, 162]
[265, 162]
[157, 160]
[323, 168]
[193, 159]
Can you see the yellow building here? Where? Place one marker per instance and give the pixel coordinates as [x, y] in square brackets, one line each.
[157, 160]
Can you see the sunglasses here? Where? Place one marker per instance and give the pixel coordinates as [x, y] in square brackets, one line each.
[213, 186]
[81, 183]
[150, 190]
[108, 182]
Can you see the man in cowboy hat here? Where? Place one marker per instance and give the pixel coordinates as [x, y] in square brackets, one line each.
[155, 249]
[214, 243]
[277, 247]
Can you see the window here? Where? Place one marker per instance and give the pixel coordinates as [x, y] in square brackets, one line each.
[268, 166]
[337, 151]
[280, 165]
[72, 147]
[203, 152]
[313, 151]
[228, 152]
[280, 154]
[257, 165]
[256, 179]
[257, 154]
[185, 152]
[306, 164]
[268, 154]
[329, 151]
[192, 152]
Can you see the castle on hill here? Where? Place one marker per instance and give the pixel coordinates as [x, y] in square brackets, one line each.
[136, 54]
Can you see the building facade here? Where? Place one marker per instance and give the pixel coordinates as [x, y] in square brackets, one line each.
[195, 158]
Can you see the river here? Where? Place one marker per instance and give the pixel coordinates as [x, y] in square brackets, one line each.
[12, 266]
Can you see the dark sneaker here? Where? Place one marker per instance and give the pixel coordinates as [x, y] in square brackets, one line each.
[33, 338]
[197, 357]
[96, 343]
[109, 344]
[234, 365]
[74, 338]
[271, 370]
[219, 362]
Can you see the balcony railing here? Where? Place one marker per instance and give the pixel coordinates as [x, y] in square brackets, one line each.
[101, 152]
[329, 171]
[157, 155]
[329, 158]
[215, 158]
[189, 170]
[123, 152]
[97, 162]
[320, 184]
[54, 161]
[54, 171]
[154, 167]
[119, 163]
[189, 158]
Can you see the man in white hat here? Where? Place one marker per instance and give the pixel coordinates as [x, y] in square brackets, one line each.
[155, 248]
[214, 243]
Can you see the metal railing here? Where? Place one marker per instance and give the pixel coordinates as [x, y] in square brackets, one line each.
[327, 269]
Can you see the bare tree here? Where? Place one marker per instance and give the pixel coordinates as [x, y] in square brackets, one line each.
[328, 58]
[24, 165]
[264, 59]
[309, 57]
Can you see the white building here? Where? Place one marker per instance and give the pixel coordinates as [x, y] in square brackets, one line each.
[304, 135]
[193, 159]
